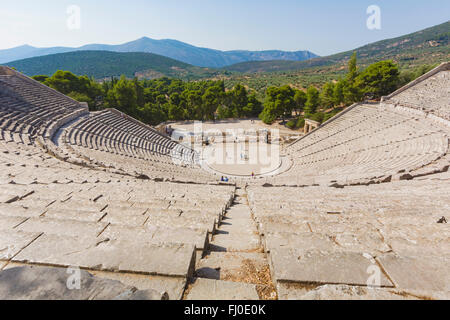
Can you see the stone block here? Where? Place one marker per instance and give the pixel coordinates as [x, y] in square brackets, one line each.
[207, 289]
[417, 273]
[322, 267]
[115, 256]
[44, 283]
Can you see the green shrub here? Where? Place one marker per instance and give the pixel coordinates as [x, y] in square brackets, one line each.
[300, 122]
[291, 124]
[318, 116]
[328, 116]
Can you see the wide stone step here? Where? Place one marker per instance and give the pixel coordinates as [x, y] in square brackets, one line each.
[7, 223]
[207, 289]
[74, 214]
[61, 227]
[155, 235]
[288, 291]
[237, 225]
[368, 242]
[429, 273]
[240, 200]
[45, 283]
[107, 255]
[12, 242]
[8, 198]
[238, 208]
[234, 266]
[236, 242]
[313, 266]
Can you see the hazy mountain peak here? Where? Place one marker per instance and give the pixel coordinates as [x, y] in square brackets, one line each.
[26, 46]
[144, 39]
[197, 56]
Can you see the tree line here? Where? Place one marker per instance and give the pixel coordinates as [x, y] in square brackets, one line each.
[159, 100]
[377, 80]
[156, 101]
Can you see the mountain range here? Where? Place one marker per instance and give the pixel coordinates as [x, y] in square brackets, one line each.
[106, 64]
[201, 57]
[428, 46]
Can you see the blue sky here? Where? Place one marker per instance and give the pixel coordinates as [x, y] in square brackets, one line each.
[321, 26]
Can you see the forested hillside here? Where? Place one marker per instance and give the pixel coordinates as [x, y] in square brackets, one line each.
[105, 64]
[427, 47]
[159, 100]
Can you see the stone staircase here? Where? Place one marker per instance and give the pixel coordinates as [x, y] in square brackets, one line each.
[235, 266]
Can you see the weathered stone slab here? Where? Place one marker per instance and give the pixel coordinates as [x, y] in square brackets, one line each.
[419, 240]
[56, 190]
[322, 267]
[13, 210]
[333, 225]
[8, 198]
[240, 242]
[165, 212]
[201, 223]
[173, 286]
[232, 266]
[155, 235]
[116, 218]
[288, 291]
[74, 214]
[42, 283]
[71, 228]
[305, 241]
[12, 241]
[417, 273]
[361, 241]
[431, 231]
[271, 226]
[10, 222]
[79, 205]
[195, 214]
[117, 256]
[15, 191]
[421, 247]
[87, 196]
[35, 203]
[207, 289]
[232, 225]
[125, 211]
[147, 203]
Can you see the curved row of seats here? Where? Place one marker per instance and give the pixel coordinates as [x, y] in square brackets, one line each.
[31, 112]
[365, 143]
[113, 140]
[431, 95]
[113, 132]
[322, 235]
[373, 141]
[30, 108]
[143, 233]
[147, 233]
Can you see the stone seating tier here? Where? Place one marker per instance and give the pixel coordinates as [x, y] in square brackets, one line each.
[432, 95]
[122, 228]
[365, 143]
[319, 235]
